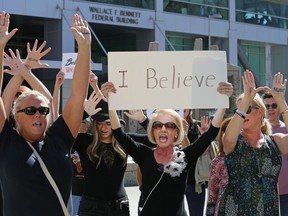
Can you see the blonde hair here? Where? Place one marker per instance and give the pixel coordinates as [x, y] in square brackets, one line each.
[258, 102]
[94, 151]
[222, 130]
[175, 115]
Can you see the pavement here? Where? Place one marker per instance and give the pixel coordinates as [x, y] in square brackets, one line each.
[133, 195]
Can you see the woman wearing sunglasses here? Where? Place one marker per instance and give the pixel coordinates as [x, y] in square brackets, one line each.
[165, 168]
[253, 155]
[25, 188]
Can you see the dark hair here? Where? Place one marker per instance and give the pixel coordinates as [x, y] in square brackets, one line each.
[267, 95]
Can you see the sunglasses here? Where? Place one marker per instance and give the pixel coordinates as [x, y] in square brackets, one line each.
[32, 110]
[273, 106]
[249, 109]
[168, 125]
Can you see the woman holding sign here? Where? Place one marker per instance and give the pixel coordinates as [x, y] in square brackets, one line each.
[165, 168]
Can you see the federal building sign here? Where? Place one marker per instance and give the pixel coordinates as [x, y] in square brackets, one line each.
[118, 16]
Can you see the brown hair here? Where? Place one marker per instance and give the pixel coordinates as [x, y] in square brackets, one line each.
[94, 151]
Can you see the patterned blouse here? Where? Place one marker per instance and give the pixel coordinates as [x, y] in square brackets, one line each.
[253, 175]
[218, 179]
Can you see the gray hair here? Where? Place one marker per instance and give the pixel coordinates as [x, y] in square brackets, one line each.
[33, 93]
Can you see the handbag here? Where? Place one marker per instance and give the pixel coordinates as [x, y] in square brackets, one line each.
[50, 179]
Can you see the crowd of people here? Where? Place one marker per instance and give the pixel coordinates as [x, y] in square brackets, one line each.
[39, 146]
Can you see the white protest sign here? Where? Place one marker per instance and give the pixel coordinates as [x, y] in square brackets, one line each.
[68, 64]
[149, 112]
[167, 79]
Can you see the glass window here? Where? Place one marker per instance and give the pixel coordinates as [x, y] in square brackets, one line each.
[198, 7]
[147, 4]
[263, 12]
[255, 55]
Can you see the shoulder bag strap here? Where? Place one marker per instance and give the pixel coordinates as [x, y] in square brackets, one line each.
[50, 179]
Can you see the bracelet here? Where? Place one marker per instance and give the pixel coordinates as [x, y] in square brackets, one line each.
[284, 111]
[240, 113]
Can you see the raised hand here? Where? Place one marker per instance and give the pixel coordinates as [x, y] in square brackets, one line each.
[279, 86]
[93, 80]
[225, 88]
[106, 88]
[32, 60]
[204, 124]
[137, 115]
[14, 62]
[250, 89]
[60, 77]
[4, 26]
[91, 103]
[81, 30]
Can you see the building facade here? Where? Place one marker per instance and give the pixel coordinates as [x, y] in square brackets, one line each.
[254, 33]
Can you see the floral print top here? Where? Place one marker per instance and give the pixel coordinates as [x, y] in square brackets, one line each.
[253, 175]
[218, 179]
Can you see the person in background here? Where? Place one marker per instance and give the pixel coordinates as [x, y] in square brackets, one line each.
[164, 168]
[25, 188]
[252, 154]
[218, 177]
[104, 163]
[278, 126]
[195, 198]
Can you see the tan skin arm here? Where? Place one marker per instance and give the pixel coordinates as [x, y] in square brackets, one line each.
[72, 112]
[4, 38]
[234, 127]
[56, 93]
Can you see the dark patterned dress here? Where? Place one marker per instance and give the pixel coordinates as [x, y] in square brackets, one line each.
[253, 175]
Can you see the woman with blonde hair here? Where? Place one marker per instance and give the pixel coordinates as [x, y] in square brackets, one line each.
[252, 154]
[165, 168]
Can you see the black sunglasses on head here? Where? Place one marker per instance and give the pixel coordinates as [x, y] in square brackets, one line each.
[273, 106]
[168, 125]
[32, 110]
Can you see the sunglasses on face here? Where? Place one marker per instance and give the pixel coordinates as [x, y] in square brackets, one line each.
[250, 109]
[32, 110]
[273, 106]
[168, 125]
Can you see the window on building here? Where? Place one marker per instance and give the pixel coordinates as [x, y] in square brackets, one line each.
[202, 8]
[147, 4]
[263, 12]
[255, 55]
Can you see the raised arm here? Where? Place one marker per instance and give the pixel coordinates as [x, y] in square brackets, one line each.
[15, 66]
[72, 112]
[56, 93]
[236, 123]
[4, 38]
